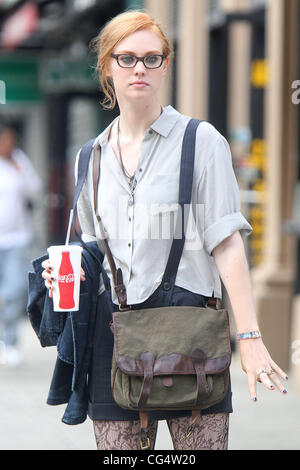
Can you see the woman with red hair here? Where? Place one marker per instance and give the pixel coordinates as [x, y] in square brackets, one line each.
[138, 189]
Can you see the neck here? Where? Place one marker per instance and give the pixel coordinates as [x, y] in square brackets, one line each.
[135, 120]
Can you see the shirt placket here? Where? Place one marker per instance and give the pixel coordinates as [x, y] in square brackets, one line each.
[140, 173]
[130, 215]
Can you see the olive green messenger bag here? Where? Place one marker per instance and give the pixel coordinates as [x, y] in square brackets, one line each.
[174, 357]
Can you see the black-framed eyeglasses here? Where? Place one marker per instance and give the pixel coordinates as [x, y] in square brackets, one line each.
[128, 61]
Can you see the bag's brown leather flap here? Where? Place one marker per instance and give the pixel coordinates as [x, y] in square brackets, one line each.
[171, 364]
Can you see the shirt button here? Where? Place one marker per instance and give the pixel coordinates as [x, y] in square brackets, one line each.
[141, 169]
[151, 131]
[129, 219]
[129, 244]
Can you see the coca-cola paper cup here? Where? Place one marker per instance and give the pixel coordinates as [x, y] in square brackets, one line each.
[66, 263]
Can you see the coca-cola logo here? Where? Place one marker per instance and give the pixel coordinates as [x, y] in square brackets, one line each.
[66, 278]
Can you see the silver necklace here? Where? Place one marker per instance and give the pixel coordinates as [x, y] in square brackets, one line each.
[132, 179]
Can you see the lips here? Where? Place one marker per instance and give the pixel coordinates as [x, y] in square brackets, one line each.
[139, 83]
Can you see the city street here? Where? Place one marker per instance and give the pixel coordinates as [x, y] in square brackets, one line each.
[28, 423]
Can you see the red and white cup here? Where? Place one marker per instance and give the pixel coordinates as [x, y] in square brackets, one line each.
[66, 263]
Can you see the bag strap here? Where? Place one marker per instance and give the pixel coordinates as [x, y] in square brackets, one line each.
[185, 192]
[116, 273]
[83, 165]
[186, 178]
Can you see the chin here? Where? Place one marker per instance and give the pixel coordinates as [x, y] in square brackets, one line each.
[140, 94]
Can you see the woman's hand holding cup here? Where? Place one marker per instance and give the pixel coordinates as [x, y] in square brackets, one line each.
[47, 274]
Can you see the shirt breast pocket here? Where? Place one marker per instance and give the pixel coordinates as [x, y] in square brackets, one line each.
[163, 205]
[163, 192]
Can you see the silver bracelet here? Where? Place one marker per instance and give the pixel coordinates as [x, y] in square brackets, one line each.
[249, 335]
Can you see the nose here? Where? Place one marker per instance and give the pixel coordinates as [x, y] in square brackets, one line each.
[139, 67]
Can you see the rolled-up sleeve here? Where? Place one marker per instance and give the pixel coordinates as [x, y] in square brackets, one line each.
[218, 191]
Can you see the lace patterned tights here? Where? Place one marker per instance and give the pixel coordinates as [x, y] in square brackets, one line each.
[210, 433]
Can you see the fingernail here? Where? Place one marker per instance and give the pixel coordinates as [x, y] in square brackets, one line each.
[272, 387]
[254, 399]
[52, 278]
[286, 377]
[284, 391]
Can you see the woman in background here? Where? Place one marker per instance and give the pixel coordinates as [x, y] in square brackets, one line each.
[19, 186]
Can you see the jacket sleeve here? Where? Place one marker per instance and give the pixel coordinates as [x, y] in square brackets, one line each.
[46, 323]
[84, 208]
[218, 191]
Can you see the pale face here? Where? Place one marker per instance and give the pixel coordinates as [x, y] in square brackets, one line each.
[7, 142]
[140, 43]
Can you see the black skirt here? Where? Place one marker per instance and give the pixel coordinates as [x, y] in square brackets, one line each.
[101, 403]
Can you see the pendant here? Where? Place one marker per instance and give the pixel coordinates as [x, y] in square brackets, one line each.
[132, 183]
[130, 200]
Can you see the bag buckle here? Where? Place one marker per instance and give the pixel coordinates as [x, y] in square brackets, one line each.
[145, 441]
[195, 416]
[123, 308]
[146, 445]
[189, 432]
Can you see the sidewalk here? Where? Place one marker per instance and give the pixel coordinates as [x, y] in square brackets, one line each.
[27, 422]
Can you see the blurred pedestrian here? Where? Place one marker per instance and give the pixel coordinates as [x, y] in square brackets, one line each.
[19, 186]
[140, 164]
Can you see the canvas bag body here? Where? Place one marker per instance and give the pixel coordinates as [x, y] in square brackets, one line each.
[170, 358]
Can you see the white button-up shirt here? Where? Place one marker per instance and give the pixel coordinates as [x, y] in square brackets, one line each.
[140, 229]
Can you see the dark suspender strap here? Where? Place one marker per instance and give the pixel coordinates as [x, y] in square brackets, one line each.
[185, 193]
[83, 165]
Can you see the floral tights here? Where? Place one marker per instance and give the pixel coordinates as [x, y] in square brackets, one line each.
[210, 433]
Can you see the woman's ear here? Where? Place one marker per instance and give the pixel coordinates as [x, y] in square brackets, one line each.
[107, 69]
[108, 73]
[166, 65]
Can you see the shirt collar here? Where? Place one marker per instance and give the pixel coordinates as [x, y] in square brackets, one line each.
[162, 125]
[165, 121]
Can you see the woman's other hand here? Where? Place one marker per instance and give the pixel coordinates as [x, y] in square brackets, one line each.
[259, 367]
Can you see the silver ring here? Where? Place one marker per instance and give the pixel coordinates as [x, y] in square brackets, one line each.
[263, 371]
